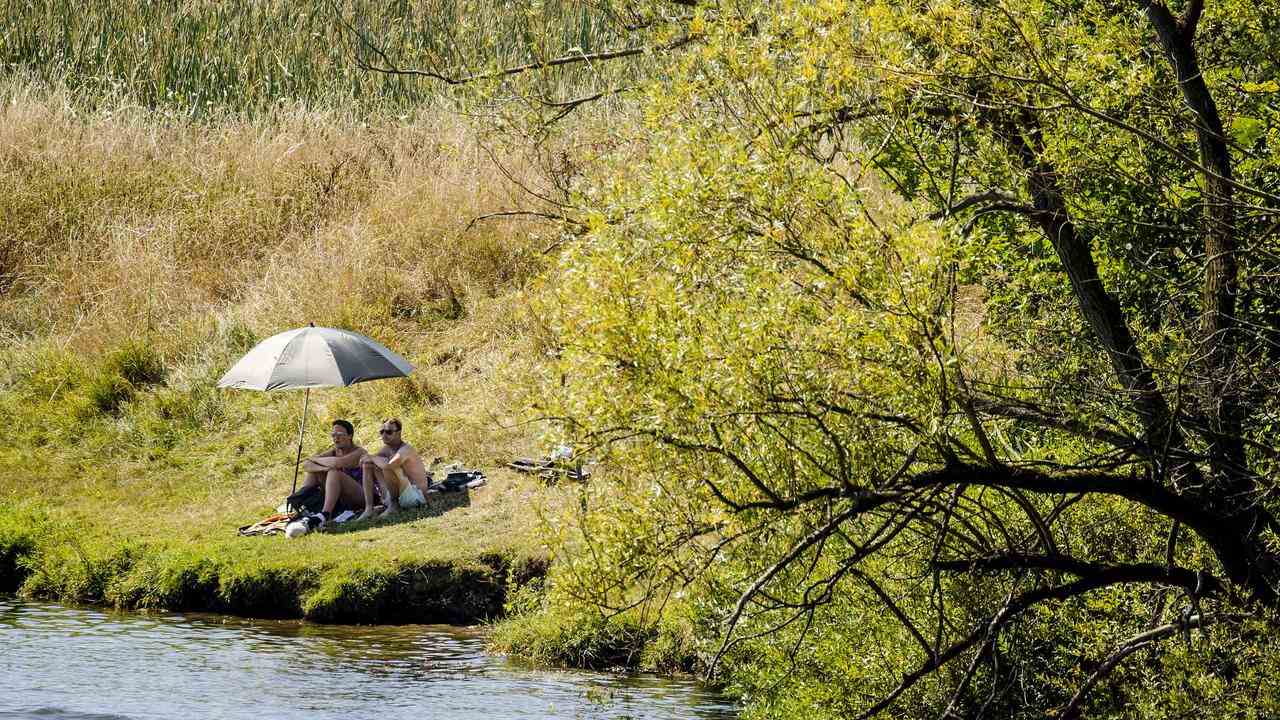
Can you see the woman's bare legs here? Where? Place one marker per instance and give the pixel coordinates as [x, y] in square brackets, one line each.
[339, 486]
[312, 478]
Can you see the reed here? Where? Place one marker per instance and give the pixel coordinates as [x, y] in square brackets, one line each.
[196, 57]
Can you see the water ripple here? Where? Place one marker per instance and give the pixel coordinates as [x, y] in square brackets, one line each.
[89, 664]
[53, 713]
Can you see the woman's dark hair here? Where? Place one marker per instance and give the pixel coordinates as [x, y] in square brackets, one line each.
[393, 421]
[345, 426]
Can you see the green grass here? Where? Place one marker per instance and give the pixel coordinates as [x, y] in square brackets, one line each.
[135, 502]
[147, 257]
[558, 638]
[98, 509]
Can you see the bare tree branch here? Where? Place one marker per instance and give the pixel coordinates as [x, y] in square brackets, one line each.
[1127, 648]
[1190, 580]
[1011, 610]
[990, 196]
[388, 66]
[515, 213]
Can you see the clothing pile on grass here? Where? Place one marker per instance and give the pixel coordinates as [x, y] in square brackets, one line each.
[559, 464]
[300, 514]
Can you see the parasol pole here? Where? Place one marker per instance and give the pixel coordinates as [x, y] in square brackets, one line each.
[306, 400]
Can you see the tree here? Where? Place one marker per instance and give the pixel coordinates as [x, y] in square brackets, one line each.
[948, 320]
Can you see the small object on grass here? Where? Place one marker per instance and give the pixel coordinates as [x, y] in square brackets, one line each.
[460, 480]
[270, 525]
[310, 498]
[529, 465]
[560, 463]
[303, 525]
[411, 497]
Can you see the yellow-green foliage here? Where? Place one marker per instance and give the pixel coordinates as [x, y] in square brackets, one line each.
[796, 306]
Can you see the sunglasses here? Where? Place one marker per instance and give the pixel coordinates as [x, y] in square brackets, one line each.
[384, 431]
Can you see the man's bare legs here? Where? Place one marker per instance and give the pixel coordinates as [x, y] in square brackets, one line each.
[390, 489]
[368, 481]
[391, 482]
[394, 482]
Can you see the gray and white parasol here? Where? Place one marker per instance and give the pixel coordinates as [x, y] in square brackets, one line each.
[313, 357]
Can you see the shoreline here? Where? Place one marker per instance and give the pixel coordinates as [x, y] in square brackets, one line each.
[130, 575]
[470, 590]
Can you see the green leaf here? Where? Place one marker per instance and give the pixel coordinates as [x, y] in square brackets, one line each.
[1245, 131]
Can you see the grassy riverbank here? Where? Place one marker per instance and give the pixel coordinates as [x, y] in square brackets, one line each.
[177, 183]
[417, 570]
[139, 257]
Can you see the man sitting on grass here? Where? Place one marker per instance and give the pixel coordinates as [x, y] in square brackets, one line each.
[397, 469]
[339, 469]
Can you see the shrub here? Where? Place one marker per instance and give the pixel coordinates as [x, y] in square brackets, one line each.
[16, 546]
[108, 393]
[136, 362]
[169, 414]
[237, 337]
[575, 639]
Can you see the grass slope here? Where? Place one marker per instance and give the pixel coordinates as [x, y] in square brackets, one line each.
[140, 257]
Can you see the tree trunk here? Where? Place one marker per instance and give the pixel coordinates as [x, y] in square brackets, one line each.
[1221, 276]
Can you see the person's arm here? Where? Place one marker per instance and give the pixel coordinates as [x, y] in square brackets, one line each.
[378, 460]
[320, 461]
[403, 455]
[350, 460]
[326, 453]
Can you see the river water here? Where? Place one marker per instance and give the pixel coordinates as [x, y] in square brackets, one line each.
[88, 664]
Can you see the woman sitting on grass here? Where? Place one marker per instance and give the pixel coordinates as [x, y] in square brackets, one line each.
[339, 469]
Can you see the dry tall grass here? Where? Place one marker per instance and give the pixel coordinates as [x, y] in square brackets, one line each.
[116, 221]
[120, 224]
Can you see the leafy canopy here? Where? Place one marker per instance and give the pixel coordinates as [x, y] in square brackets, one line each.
[935, 345]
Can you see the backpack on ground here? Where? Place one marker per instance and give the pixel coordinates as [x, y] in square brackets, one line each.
[310, 499]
